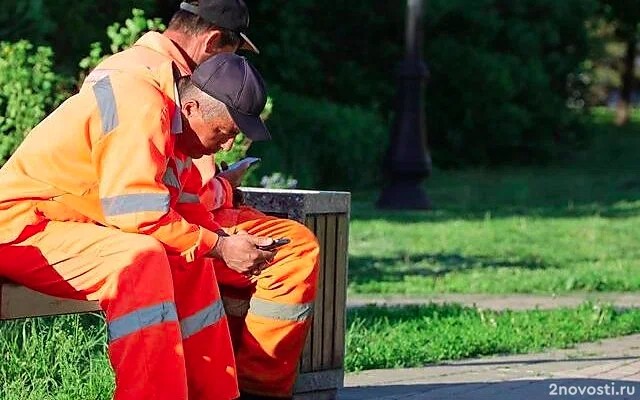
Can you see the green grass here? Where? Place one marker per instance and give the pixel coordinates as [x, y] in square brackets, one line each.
[418, 335]
[550, 229]
[55, 358]
[560, 228]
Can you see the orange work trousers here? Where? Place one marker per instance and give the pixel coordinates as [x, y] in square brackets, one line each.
[168, 334]
[270, 315]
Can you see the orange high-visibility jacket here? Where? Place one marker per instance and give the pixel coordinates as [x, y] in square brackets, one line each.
[151, 50]
[107, 155]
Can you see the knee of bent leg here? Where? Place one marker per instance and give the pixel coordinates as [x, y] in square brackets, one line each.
[305, 246]
[146, 252]
[139, 264]
[302, 239]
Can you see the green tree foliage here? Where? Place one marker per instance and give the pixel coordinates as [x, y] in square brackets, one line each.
[67, 26]
[29, 89]
[502, 71]
[322, 144]
[122, 36]
[498, 90]
[20, 19]
[625, 16]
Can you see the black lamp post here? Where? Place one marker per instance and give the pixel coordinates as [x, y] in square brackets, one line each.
[408, 162]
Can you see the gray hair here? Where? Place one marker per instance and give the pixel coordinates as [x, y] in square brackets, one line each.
[211, 108]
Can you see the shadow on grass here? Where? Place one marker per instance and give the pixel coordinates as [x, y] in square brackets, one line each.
[363, 269]
[366, 211]
[600, 180]
[395, 314]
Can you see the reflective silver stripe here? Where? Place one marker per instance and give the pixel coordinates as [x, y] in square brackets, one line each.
[106, 104]
[183, 165]
[287, 312]
[97, 74]
[202, 319]
[140, 319]
[235, 307]
[131, 203]
[176, 120]
[170, 179]
[186, 197]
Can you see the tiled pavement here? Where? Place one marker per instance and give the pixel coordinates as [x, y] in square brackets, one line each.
[609, 369]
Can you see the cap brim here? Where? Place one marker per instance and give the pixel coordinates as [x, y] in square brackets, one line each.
[253, 127]
[248, 44]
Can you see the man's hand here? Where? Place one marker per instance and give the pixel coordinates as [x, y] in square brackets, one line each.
[240, 253]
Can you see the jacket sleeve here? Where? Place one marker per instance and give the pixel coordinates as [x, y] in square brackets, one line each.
[216, 193]
[190, 204]
[131, 159]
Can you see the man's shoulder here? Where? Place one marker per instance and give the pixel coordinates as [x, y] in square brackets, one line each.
[141, 55]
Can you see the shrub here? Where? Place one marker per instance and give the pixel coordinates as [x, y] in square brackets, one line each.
[122, 37]
[321, 144]
[29, 89]
[25, 19]
[499, 86]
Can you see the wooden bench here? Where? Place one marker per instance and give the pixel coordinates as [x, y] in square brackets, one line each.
[327, 215]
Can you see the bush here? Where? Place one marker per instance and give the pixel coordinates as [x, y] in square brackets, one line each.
[498, 89]
[320, 144]
[25, 19]
[80, 23]
[499, 71]
[122, 36]
[29, 90]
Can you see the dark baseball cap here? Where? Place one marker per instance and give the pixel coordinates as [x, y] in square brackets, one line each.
[228, 14]
[230, 79]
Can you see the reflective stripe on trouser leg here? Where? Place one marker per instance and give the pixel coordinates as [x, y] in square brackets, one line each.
[279, 316]
[211, 371]
[130, 275]
[236, 309]
[145, 344]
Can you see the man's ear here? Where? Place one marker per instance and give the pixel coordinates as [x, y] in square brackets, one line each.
[212, 44]
[190, 108]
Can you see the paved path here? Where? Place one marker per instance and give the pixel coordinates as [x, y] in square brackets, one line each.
[502, 302]
[607, 368]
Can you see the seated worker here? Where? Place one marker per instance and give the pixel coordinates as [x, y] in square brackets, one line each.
[270, 313]
[96, 204]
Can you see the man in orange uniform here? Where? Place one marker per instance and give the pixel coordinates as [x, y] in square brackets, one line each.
[269, 313]
[95, 205]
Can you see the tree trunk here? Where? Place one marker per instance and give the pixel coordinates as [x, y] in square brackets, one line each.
[623, 112]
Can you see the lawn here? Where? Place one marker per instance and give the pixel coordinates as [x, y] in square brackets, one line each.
[552, 229]
[64, 358]
[546, 229]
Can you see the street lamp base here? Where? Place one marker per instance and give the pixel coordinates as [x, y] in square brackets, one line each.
[404, 196]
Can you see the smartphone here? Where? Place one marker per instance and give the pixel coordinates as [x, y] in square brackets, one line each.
[276, 243]
[248, 161]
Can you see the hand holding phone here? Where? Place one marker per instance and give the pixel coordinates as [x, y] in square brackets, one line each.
[276, 243]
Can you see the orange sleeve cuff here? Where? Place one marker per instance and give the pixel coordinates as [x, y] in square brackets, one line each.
[206, 242]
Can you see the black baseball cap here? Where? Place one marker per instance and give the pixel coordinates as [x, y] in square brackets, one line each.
[228, 14]
[230, 79]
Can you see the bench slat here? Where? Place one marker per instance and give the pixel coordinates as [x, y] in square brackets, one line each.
[340, 315]
[318, 310]
[329, 292]
[21, 302]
